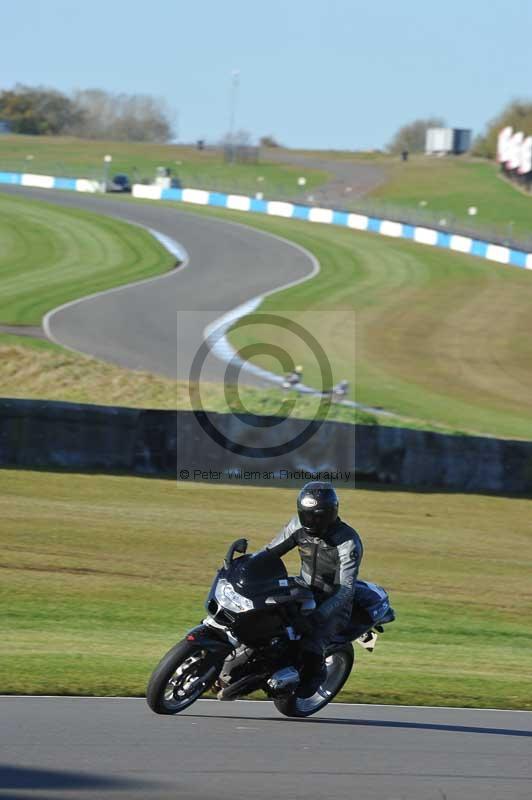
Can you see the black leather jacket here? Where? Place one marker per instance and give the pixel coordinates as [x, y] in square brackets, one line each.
[329, 565]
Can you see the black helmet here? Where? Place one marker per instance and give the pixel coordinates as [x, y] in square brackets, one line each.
[317, 507]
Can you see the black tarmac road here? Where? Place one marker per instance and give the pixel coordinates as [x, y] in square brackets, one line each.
[137, 326]
[73, 748]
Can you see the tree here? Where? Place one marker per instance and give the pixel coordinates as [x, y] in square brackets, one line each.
[91, 114]
[269, 141]
[37, 110]
[240, 138]
[137, 117]
[518, 114]
[412, 136]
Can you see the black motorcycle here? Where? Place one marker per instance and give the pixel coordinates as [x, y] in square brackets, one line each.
[250, 639]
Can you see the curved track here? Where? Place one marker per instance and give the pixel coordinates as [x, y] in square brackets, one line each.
[67, 748]
[136, 326]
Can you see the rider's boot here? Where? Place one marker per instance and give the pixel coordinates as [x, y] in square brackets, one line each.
[312, 675]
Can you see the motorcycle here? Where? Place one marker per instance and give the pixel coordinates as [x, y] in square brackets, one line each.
[250, 639]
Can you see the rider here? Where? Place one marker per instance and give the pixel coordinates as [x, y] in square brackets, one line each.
[330, 552]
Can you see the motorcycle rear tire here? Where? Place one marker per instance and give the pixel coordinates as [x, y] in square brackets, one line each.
[294, 706]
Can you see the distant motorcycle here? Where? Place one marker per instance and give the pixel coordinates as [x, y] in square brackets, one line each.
[250, 639]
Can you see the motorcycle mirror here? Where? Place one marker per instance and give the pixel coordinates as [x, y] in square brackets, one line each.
[239, 546]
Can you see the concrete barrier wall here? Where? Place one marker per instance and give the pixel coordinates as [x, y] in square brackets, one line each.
[50, 435]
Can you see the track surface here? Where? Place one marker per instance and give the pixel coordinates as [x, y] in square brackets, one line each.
[350, 179]
[136, 326]
[67, 748]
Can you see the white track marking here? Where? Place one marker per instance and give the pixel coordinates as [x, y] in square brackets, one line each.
[173, 247]
[215, 331]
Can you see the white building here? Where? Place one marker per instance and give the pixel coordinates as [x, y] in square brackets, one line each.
[442, 141]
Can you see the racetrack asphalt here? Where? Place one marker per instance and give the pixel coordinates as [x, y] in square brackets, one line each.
[70, 748]
[136, 326]
[350, 179]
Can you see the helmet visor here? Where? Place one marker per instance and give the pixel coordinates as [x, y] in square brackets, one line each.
[317, 520]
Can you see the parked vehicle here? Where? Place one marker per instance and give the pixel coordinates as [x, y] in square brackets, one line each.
[119, 183]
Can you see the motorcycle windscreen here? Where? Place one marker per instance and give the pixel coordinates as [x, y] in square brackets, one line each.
[256, 574]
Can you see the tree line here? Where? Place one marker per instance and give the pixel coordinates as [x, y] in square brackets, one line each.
[517, 115]
[87, 113]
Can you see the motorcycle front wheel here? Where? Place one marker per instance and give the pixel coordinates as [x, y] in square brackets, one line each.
[338, 666]
[185, 673]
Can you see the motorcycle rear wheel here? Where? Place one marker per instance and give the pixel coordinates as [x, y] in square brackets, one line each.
[338, 665]
[185, 673]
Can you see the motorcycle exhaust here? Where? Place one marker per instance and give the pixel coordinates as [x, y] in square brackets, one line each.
[284, 680]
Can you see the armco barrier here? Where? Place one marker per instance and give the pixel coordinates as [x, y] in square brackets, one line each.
[38, 434]
[277, 208]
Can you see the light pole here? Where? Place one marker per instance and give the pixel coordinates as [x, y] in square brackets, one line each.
[106, 161]
[235, 81]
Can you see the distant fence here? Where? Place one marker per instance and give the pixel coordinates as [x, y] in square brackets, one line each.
[38, 434]
[458, 242]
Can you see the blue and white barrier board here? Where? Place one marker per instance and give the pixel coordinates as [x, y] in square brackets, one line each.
[278, 208]
[327, 216]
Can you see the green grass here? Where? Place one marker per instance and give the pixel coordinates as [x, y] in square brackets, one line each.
[50, 255]
[449, 187]
[37, 369]
[100, 575]
[81, 158]
[442, 339]
[426, 346]
[444, 188]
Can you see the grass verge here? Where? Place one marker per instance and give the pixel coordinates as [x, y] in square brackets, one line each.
[206, 169]
[448, 187]
[37, 369]
[50, 255]
[100, 575]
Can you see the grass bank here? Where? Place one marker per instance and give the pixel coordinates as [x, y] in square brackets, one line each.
[206, 169]
[36, 369]
[441, 339]
[448, 187]
[100, 575]
[50, 255]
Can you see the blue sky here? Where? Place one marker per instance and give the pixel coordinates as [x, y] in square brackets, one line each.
[321, 74]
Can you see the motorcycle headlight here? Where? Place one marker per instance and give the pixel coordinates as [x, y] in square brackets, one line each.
[230, 599]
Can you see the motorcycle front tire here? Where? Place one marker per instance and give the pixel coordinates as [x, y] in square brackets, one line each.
[168, 692]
